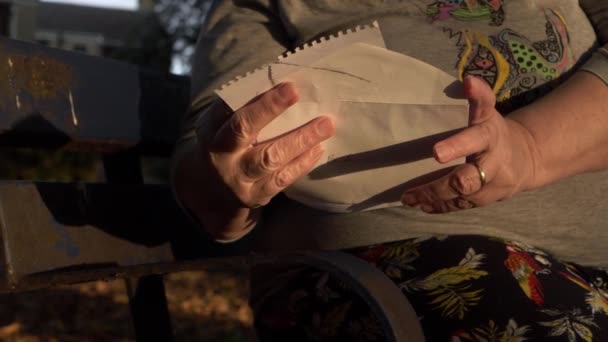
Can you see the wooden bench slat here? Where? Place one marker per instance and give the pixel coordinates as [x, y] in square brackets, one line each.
[58, 95]
[50, 229]
[52, 98]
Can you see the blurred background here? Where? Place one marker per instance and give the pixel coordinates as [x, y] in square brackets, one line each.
[155, 34]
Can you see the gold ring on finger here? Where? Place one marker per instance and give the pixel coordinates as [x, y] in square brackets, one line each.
[482, 174]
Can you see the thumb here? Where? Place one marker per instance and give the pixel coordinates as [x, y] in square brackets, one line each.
[481, 99]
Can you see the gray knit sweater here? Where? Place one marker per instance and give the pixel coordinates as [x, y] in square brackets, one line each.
[523, 48]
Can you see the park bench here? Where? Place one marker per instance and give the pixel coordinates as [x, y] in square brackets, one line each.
[63, 233]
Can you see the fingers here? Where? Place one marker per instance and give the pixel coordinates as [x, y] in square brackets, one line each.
[479, 136]
[468, 185]
[269, 157]
[462, 181]
[253, 172]
[286, 176]
[459, 189]
[481, 99]
[472, 140]
[244, 126]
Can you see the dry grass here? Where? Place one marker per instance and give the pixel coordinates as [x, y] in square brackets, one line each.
[204, 307]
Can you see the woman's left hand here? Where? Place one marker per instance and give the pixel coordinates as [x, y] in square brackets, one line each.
[501, 158]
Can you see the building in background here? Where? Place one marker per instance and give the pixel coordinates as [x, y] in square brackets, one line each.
[135, 36]
[17, 18]
[91, 30]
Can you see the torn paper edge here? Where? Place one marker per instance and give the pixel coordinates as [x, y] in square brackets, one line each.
[303, 55]
[324, 46]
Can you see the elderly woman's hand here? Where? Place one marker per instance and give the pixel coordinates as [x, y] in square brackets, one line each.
[255, 172]
[237, 174]
[501, 159]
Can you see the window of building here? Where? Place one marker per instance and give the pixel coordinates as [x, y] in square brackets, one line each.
[46, 38]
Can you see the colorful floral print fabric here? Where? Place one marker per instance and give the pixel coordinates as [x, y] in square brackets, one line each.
[463, 288]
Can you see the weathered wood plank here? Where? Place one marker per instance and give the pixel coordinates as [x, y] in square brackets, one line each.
[46, 227]
[58, 233]
[59, 97]
[52, 228]
[53, 98]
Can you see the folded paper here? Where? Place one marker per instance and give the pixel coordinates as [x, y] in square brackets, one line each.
[390, 109]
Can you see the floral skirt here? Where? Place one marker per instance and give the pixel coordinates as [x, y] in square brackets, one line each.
[463, 288]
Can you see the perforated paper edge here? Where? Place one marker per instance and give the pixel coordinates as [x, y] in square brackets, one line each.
[339, 39]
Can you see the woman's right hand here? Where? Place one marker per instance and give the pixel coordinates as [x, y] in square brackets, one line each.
[234, 175]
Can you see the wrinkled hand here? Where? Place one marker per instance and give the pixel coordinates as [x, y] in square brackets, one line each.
[250, 172]
[501, 147]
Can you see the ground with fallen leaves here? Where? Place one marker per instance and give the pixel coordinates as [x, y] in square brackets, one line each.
[204, 307]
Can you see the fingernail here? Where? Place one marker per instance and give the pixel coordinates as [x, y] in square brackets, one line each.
[287, 93]
[471, 78]
[325, 127]
[468, 85]
[442, 152]
[408, 199]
